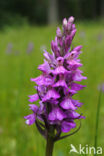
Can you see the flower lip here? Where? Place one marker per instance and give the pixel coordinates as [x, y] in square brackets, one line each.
[67, 126]
[33, 107]
[60, 61]
[33, 98]
[30, 119]
[56, 114]
[67, 104]
[51, 94]
[45, 68]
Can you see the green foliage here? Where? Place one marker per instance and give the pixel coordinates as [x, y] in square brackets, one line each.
[36, 11]
[32, 10]
[18, 67]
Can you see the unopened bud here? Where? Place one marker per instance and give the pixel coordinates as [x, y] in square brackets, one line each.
[65, 22]
[58, 32]
[71, 19]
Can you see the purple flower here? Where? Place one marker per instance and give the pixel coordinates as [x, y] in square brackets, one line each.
[101, 87]
[33, 98]
[9, 48]
[30, 119]
[67, 103]
[37, 111]
[51, 94]
[56, 114]
[30, 47]
[67, 126]
[58, 83]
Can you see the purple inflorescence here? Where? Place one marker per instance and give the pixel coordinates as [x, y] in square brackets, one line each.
[58, 83]
[101, 87]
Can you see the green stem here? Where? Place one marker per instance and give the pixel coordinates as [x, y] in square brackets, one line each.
[50, 141]
[97, 121]
[49, 146]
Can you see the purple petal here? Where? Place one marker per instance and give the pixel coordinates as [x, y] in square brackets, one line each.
[68, 41]
[30, 119]
[76, 86]
[41, 90]
[60, 61]
[67, 126]
[78, 76]
[42, 108]
[37, 79]
[34, 108]
[51, 94]
[56, 114]
[73, 115]
[55, 48]
[60, 70]
[65, 22]
[67, 104]
[53, 101]
[73, 65]
[71, 19]
[78, 48]
[61, 83]
[58, 32]
[73, 26]
[50, 58]
[71, 55]
[73, 32]
[43, 80]
[33, 98]
[68, 77]
[45, 67]
[46, 55]
[48, 80]
[69, 91]
[77, 103]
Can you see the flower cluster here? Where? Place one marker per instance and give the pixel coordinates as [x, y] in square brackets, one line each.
[101, 87]
[57, 83]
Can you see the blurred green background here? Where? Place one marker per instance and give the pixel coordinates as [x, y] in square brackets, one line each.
[22, 40]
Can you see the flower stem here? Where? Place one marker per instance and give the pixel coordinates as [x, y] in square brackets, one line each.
[49, 146]
[97, 121]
